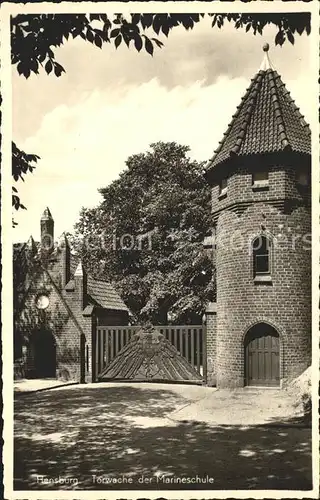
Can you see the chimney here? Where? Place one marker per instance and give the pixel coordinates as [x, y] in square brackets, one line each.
[47, 235]
[80, 285]
[64, 247]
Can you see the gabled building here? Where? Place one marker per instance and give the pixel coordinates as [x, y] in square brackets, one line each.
[57, 307]
[259, 331]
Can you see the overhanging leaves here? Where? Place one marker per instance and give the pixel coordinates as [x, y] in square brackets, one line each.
[34, 37]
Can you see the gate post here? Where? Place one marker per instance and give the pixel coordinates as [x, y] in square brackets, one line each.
[94, 349]
[204, 349]
[82, 358]
[209, 348]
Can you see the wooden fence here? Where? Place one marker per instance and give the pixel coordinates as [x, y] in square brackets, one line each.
[189, 341]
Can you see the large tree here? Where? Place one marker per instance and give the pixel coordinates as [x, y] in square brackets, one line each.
[35, 37]
[147, 235]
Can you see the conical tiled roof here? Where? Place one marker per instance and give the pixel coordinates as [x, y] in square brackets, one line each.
[266, 121]
[46, 214]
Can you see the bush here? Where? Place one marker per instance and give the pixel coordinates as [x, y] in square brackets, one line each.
[307, 405]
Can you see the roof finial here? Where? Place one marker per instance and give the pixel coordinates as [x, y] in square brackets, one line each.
[266, 64]
[46, 214]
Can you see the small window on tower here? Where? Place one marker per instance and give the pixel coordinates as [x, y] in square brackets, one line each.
[303, 179]
[223, 188]
[261, 258]
[260, 180]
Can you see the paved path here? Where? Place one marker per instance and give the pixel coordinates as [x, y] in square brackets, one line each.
[242, 407]
[155, 436]
[38, 384]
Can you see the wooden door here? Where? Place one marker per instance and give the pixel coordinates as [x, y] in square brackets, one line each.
[262, 356]
[44, 354]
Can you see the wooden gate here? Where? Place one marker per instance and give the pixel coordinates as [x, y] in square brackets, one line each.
[262, 356]
[188, 340]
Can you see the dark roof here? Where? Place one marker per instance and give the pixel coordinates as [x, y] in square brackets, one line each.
[266, 121]
[103, 294]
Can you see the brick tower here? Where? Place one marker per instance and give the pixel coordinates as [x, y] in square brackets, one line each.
[47, 230]
[261, 205]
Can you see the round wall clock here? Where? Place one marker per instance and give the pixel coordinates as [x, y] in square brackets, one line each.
[42, 301]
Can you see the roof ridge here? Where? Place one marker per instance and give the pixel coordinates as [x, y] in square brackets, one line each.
[272, 75]
[101, 280]
[295, 108]
[235, 115]
[257, 79]
[257, 83]
[266, 121]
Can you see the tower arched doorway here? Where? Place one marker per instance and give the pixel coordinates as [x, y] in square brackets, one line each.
[43, 346]
[262, 356]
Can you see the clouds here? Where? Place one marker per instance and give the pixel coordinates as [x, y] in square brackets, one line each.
[201, 54]
[85, 124]
[84, 147]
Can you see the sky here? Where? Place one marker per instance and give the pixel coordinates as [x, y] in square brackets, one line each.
[112, 103]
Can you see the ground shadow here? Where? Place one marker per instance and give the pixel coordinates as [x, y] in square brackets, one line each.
[105, 434]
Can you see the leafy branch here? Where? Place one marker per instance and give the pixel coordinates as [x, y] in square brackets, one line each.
[34, 38]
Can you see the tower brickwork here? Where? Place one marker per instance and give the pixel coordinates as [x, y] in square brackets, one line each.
[47, 231]
[261, 205]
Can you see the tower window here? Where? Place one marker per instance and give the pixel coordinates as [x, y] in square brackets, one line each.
[223, 187]
[303, 179]
[261, 256]
[260, 179]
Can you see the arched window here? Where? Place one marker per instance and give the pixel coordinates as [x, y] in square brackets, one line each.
[261, 255]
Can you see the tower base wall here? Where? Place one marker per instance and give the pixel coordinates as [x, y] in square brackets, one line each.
[283, 302]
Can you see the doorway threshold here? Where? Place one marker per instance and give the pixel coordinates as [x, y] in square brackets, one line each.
[270, 387]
